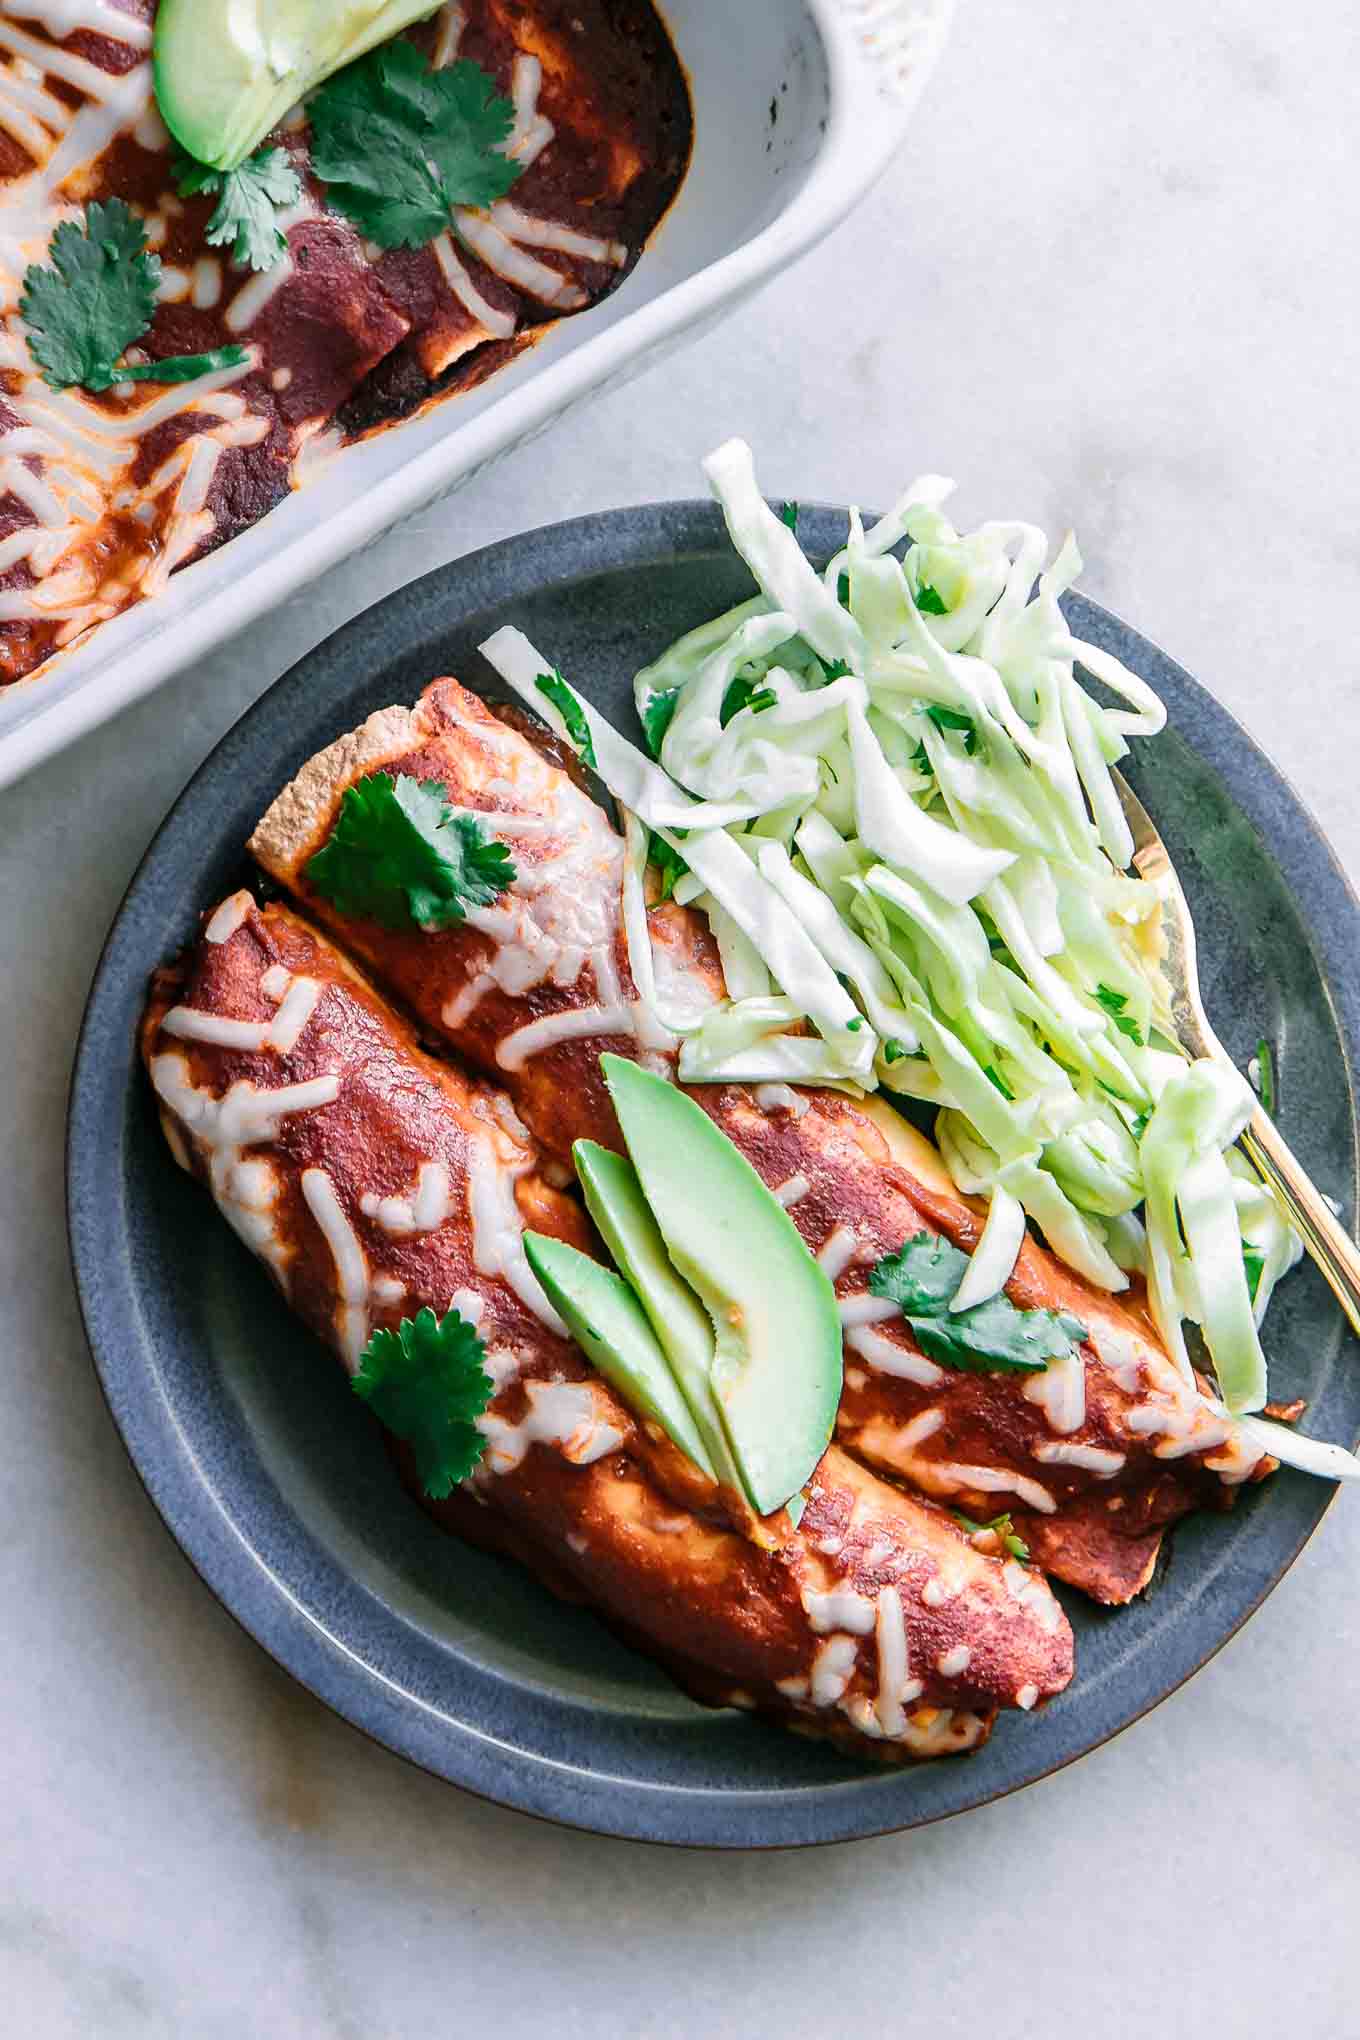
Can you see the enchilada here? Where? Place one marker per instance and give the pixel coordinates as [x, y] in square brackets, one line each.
[104, 492]
[376, 1183]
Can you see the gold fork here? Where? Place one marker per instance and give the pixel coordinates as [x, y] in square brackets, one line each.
[1326, 1239]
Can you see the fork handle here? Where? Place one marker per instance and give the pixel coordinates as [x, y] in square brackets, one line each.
[1326, 1239]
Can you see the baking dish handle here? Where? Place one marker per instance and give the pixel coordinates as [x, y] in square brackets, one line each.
[881, 52]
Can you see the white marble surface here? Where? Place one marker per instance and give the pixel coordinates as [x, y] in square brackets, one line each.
[1113, 282]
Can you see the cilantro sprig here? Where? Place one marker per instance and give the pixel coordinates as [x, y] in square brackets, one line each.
[657, 712]
[929, 601]
[1114, 1004]
[669, 863]
[397, 856]
[249, 199]
[953, 719]
[97, 299]
[400, 145]
[742, 694]
[992, 1337]
[1254, 1261]
[563, 699]
[1000, 1527]
[426, 1382]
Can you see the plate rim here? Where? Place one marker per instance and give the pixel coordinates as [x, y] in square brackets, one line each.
[612, 541]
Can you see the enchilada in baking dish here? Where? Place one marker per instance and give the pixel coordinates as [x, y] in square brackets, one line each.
[292, 316]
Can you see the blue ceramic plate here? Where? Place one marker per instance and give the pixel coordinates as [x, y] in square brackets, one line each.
[273, 1477]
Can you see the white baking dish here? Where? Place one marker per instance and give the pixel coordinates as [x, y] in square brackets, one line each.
[840, 78]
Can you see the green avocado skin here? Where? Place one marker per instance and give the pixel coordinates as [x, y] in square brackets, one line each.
[225, 75]
[682, 1326]
[777, 1368]
[609, 1324]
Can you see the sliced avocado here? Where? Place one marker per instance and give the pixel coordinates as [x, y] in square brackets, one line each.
[776, 1373]
[607, 1320]
[615, 1201]
[225, 75]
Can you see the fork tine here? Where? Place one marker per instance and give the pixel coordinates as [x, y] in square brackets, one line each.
[1179, 961]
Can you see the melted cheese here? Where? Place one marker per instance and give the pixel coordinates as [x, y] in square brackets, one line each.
[887, 1357]
[895, 1685]
[495, 323]
[832, 1669]
[424, 1211]
[452, 22]
[1092, 1458]
[228, 918]
[837, 1251]
[62, 18]
[576, 1024]
[987, 1480]
[560, 1413]
[189, 1023]
[498, 1229]
[780, 1098]
[1060, 1391]
[221, 1128]
[351, 1267]
[863, 1309]
[842, 1608]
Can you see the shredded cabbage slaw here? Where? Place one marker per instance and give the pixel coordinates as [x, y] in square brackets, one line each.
[893, 798]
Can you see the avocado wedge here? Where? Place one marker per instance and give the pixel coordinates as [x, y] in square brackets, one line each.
[225, 75]
[776, 1374]
[682, 1326]
[607, 1321]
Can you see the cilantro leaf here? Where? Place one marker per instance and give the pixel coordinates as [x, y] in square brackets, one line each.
[999, 1527]
[656, 718]
[952, 719]
[789, 515]
[400, 145]
[833, 669]
[1255, 1263]
[929, 602]
[744, 694]
[920, 761]
[1114, 1004]
[563, 699]
[398, 857]
[98, 297]
[247, 201]
[922, 1280]
[669, 863]
[426, 1382]
[1140, 1124]
[843, 590]
[95, 300]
